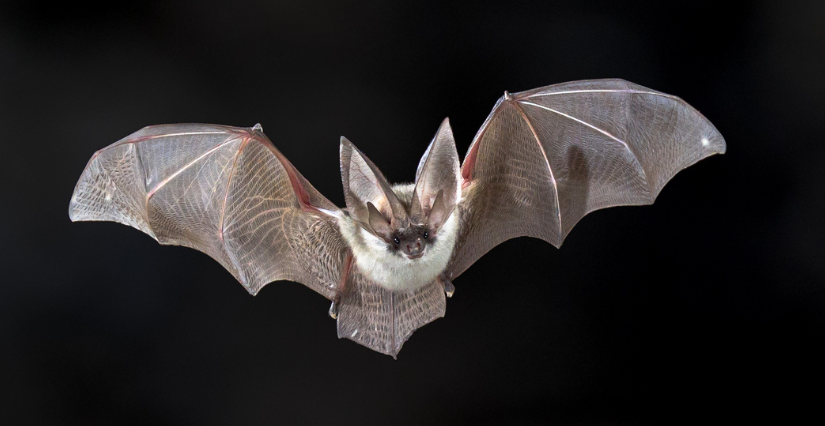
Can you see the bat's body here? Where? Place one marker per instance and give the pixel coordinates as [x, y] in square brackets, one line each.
[393, 271]
[543, 159]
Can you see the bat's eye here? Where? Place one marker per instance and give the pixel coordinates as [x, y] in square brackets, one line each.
[426, 235]
[396, 240]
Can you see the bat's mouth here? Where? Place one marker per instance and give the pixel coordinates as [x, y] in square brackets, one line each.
[414, 256]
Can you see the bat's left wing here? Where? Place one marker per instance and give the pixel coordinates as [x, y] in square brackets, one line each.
[546, 157]
[226, 191]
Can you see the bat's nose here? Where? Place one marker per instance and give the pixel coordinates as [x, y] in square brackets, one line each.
[414, 248]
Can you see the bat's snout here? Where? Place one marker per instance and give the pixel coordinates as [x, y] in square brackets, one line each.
[414, 249]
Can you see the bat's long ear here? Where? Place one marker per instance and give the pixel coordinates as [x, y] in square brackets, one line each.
[437, 184]
[363, 184]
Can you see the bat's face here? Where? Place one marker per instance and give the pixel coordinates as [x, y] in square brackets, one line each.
[411, 242]
[412, 235]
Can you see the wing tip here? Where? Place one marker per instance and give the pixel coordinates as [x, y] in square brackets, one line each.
[72, 209]
[345, 148]
[723, 146]
[252, 287]
[714, 144]
[251, 290]
[74, 214]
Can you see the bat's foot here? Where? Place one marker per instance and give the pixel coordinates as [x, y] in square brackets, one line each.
[449, 288]
[333, 309]
[336, 300]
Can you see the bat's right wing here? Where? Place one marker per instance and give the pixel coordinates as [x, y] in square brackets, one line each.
[225, 191]
[546, 157]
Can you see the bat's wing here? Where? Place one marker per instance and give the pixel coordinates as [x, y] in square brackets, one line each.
[546, 157]
[225, 191]
[382, 319]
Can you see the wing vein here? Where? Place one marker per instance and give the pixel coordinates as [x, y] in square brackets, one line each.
[228, 186]
[602, 131]
[631, 91]
[580, 121]
[146, 138]
[221, 225]
[182, 169]
[546, 161]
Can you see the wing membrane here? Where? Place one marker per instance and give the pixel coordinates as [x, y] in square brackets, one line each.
[382, 319]
[546, 157]
[223, 190]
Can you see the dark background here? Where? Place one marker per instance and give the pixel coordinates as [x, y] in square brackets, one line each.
[709, 304]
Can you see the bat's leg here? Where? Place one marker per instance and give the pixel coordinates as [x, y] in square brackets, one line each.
[336, 300]
[333, 308]
[449, 288]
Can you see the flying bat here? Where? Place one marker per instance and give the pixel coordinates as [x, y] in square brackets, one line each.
[542, 160]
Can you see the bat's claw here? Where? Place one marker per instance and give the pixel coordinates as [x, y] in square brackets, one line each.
[449, 288]
[333, 309]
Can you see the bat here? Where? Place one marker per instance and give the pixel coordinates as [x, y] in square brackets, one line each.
[542, 160]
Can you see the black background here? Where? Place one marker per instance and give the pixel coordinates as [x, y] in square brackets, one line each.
[709, 304]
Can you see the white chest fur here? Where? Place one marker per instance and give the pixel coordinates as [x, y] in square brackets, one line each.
[395, 272]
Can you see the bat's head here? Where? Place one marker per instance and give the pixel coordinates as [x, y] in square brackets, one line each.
[407, 218]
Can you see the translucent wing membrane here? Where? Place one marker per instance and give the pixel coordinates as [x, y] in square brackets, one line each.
[225, 191]
[546, 157]
[382, 319]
